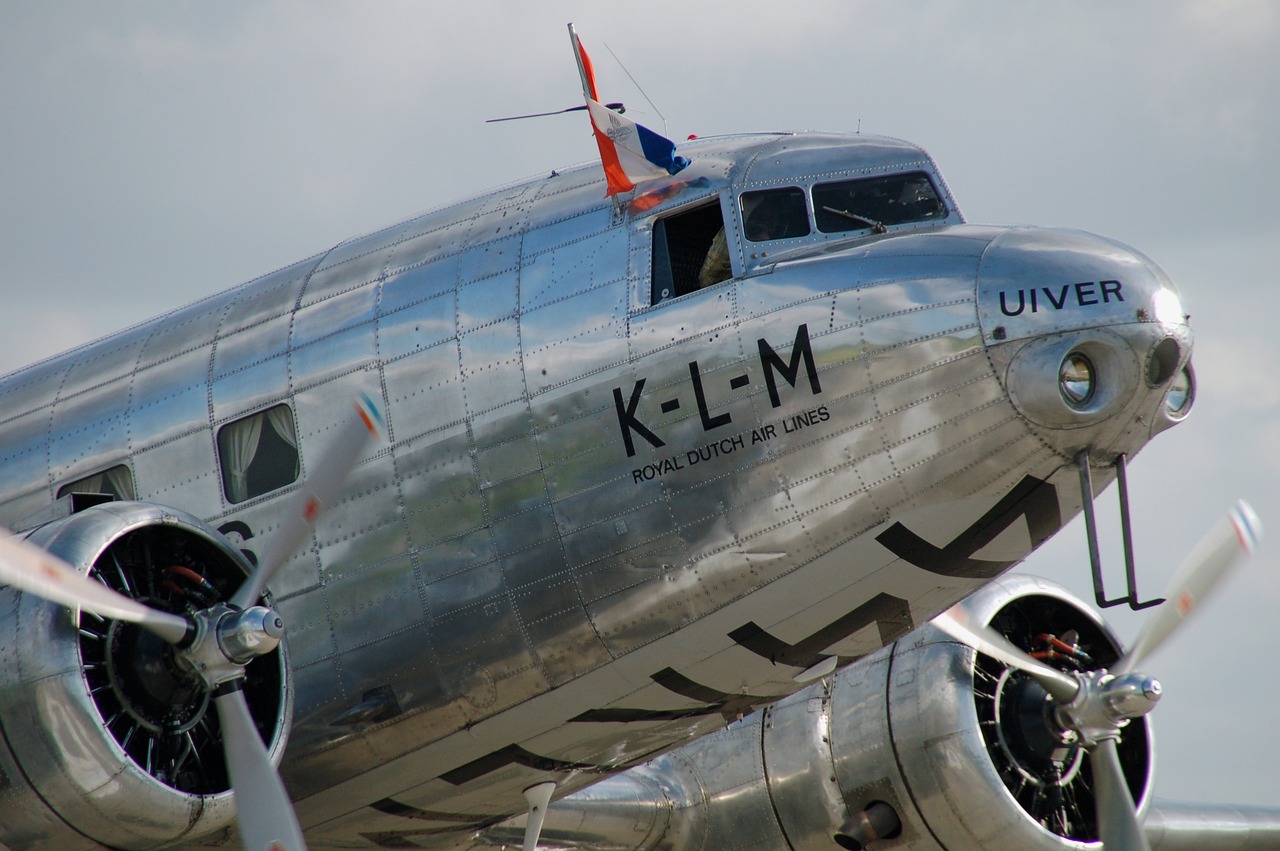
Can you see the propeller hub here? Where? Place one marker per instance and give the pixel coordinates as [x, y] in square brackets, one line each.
[243, 636]
[227, 639]
[1106, 703]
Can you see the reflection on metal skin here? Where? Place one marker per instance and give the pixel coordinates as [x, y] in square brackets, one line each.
[579, 480]
[889, 747]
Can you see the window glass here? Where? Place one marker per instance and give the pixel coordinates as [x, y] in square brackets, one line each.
[115, 481]
[774, 214]
[259, 453]
[876, 202]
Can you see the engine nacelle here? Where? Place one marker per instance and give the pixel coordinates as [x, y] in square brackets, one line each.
[923, 745]
[106, 741]
[957, 744]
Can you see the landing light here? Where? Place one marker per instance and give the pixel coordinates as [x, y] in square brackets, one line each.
[1182, 392]
[1076, 379]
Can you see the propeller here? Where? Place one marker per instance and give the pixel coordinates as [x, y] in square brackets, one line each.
[218, 642]
[1096, 705]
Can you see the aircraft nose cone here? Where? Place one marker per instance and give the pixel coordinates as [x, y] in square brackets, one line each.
[1033, 281]
[1089, 334]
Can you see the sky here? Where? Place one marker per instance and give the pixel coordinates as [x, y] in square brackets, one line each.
[154, 153]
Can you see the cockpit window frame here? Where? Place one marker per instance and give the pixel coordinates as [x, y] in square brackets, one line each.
[876, 215]
[774, 213]
[700, 225]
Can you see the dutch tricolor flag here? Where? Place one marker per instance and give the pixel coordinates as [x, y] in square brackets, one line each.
[630, 152]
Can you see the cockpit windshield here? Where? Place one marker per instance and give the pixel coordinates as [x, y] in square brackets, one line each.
[876, 202]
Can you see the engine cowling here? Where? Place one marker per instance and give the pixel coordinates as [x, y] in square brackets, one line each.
[925, 744]
[969, 755]
[107, 740]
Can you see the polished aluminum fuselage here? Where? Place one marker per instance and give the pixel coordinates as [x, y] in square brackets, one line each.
[514, 593]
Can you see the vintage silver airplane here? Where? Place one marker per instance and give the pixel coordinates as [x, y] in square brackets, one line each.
[665, 493]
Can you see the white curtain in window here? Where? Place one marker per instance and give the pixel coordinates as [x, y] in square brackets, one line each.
[282, 421]
[120, 481]
[239, 445]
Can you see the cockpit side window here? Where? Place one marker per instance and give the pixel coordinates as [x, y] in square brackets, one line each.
[690, 251]
[876, 202]
[774, 214]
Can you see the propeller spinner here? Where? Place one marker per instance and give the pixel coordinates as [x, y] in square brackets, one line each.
[217, 642]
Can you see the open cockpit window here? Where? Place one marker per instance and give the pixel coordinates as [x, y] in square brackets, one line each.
[690, 251]
[259, 453]
[116, 482]
[876, 202]
[775, 214]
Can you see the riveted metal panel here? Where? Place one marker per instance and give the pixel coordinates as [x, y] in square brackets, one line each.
[492, 372]
[347, 350]
[507, 459]
[368, 602]
[801, 774]
[424, 392]
[181, 472]
[253, 388]
[439, 487]
[564, 270]
[483, 302]
[349, 265]
[88, 431]
[550, 610]
[489, 258]
[31, 388]
[267, 297]
[574, 338]
[738, 808]
[476, 626]
[366, 521]
[114, 358]
[320, 410]
[178, 333]
[519, 532]
[818, 153]
[416, 327]
[24, 454]
[310, 631]
[253, 345]
[420, 283]
[439, 242]
[642, 522]
[697, 315]
[321, 320]
[171, 398]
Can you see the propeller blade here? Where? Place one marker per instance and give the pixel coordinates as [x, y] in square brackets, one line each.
[319, 490]
[1118, 825]
[35, 571]
[1217, 552]
[264, 812]
[957, 623]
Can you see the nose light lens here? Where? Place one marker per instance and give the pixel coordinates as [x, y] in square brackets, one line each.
[1076, 379]
[1182, 390]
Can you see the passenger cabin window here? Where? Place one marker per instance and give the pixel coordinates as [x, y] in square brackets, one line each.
[690, 251]
[876, 202]
[774, 214]
[259, 453]
[116, 482]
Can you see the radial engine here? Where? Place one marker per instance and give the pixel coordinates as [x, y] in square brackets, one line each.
[106, 740]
